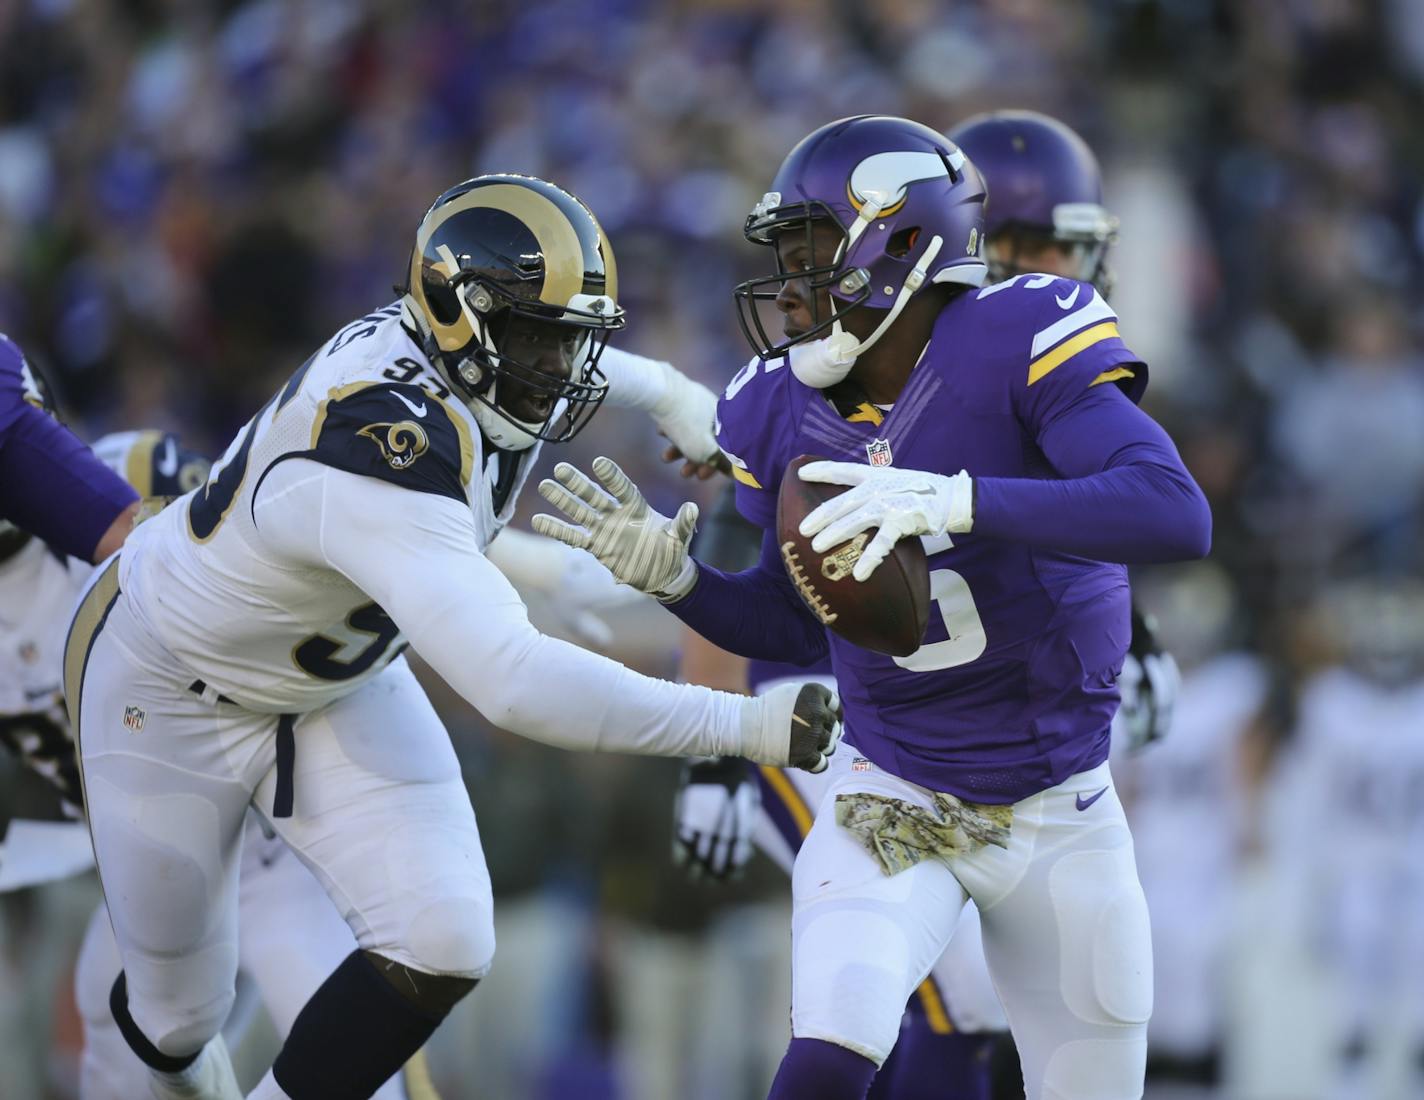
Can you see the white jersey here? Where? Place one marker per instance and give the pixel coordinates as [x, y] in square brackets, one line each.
[1187, 816]
[275, 634]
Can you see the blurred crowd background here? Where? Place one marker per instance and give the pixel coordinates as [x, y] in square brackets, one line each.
[194, 194]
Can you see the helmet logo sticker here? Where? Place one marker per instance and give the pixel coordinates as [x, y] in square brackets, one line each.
[886, 177]
[973, 247]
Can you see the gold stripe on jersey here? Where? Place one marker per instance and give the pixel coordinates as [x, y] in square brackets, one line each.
[866, 413]
[138, 468]
[336, 393]
[417, 1079]
[746, 477]
[1115, 375]
[1069, 348]
[791, 797]
[90, 616]
[935, 1012]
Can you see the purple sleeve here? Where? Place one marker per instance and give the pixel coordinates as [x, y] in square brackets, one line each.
[755, 613]
[1125, 495]
[52, 485]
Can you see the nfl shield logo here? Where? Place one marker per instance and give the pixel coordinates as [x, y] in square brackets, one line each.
[860, 764]
[879, 452]
[133, 718]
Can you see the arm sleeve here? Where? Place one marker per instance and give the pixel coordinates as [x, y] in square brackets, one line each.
[416, 555]
[634, 381]
[1124, 495]
[53, 486]
[755, 613]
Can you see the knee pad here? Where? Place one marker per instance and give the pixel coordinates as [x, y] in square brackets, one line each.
[165, 1041]
[1105, 943]
[452, 936]
[843, 994]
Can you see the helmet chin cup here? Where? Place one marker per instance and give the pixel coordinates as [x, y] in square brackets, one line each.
[502, 430]
[823, 363]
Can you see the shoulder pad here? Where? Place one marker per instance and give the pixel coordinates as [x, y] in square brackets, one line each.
[396, 432]
[1070, 331]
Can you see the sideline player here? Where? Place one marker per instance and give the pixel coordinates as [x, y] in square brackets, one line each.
[981, 758]
[244, 648]
[50, 483]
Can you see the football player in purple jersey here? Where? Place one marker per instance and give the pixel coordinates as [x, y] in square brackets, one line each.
[51, 485]
[1000, 426]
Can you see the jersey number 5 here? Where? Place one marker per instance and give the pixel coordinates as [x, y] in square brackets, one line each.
[966, 641]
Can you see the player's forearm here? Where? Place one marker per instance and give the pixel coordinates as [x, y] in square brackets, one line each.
[52, 485]
[1139, 512]
[755, 613]
[1124, 495]
[634, 381]
[416, 556]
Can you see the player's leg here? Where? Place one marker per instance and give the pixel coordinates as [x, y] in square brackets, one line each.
[1067, 939]
[108, 1069]
[383, 820]
[861, 942]
[290, 936]
[165, 797]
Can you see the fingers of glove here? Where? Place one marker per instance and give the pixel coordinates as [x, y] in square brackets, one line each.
[814, 728]
[836, 473]
[847, 526]
[828, 512]
[578, 483]
[685, 522]
[616, 481]
[566, 533]
[876, 552]
[566, 502]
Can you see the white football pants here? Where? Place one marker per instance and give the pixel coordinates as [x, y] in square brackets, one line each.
[1064, 921]
[381, 819]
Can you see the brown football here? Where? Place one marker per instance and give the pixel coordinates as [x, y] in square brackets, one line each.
[886, 612]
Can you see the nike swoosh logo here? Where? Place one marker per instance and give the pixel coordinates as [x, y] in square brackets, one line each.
[1083, 803]
[419, 410]
[1067, 303]
[168, 464]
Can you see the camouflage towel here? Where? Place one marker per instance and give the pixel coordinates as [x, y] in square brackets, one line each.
[899, 834]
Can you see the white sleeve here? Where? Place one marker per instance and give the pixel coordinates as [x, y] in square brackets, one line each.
[416, 555]
[634, 381]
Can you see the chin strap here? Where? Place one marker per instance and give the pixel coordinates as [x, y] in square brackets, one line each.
[827, 361]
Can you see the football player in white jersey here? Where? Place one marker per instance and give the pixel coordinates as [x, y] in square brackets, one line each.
[244, 648]
[292, 936]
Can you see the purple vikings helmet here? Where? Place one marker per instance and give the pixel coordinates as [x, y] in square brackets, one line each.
[910, 210]
[1043, 182]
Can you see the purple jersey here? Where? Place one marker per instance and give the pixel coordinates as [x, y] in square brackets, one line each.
[1014, 687]
[50, 483]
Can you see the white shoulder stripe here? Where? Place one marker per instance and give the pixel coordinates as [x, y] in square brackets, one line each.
[1095, 311]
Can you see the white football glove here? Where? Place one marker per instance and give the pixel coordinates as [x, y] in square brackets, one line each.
[640, 547]
[1149, 686]
[713, 817]
[792, 725]
[901, 503]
